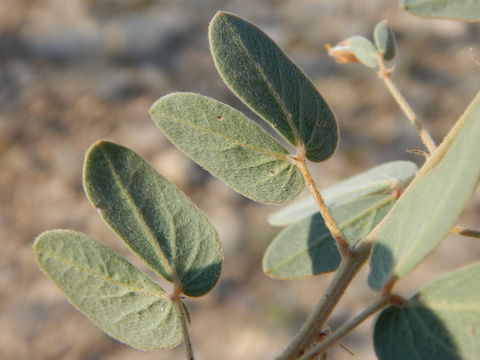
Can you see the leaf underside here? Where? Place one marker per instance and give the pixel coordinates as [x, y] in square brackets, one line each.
[467, 10]
[230, 146]
[267, 81]
[307, 248]
[441, 322]
[154, 218]
[428, 209]
[379, 179]
[110, 291]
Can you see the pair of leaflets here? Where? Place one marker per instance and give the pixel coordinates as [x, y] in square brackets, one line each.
[365, 51]
[157, 222]
[231, 146]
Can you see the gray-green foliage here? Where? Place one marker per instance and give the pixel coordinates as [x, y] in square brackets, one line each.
[441, 322]
[230, 146]
[154, 218]
[158, 222]
[261, 75]
[307, 247]
[364, 51]
[379, 179]
[428, 209]
[110, 291]
[384, 40]
[467, 10]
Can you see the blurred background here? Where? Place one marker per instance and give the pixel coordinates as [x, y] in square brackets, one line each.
[74, 71]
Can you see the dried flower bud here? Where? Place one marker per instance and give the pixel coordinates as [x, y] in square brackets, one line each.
[341, 53]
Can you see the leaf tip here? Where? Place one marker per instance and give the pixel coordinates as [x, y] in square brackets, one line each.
[95, 147]
[91, 151]
[44, 235]
[219, 15]
[222, 13]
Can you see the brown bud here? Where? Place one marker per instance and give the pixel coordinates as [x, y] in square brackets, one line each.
[341, 53]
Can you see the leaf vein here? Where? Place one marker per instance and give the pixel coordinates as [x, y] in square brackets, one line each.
[106, 278]
[138, 214]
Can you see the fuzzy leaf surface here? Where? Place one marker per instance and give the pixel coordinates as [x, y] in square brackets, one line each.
[111, 292]
[441, 322]
[154, 218]
[429, 207]
[381, 178]
[306, 248]
[230, 146]
[267, 81]
[467, 10]
[363, 49]
[384, 40]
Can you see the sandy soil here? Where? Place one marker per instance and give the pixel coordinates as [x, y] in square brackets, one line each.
[74, 71]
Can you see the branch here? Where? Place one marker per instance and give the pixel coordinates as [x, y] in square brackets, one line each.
[346, 328]
[384, 74]
[176, 297]
[465, 232]
[184, 323]
[349, 267]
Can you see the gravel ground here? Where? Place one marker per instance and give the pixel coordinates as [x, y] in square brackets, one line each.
[74, 71]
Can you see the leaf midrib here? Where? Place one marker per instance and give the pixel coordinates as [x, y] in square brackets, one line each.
[281, 157]
[404, 318]
[286, 113]
[152, 239]
[105, 278]
[438, 209]
[430, 333]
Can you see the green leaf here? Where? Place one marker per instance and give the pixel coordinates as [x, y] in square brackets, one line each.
[384, 40]
[307, 248]
[467, 10]
[363, 49]
[154, 218]
[441, 322]
[230, 146]
[110, 291]
[266, 80]
[381, 178]
[429, 207]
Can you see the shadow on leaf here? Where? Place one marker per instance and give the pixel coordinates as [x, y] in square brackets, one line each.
[322, 250]
[414, 332]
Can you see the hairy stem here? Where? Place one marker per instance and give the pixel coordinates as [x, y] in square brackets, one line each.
[314, 324]
[332, 226]
[425, 136]
[184, 323]
[465, 232]
[346, 328]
